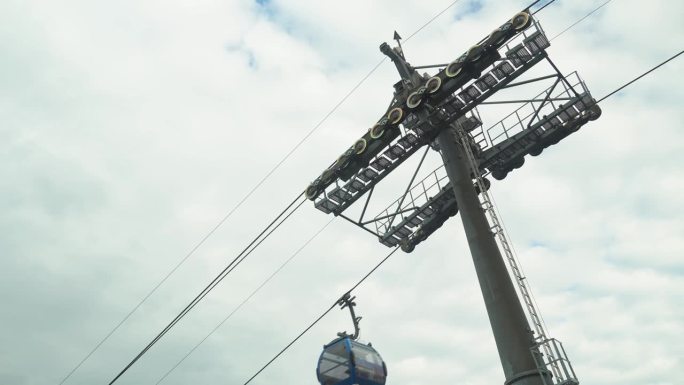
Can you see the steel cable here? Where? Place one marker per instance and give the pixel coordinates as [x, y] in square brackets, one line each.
[431, 20]
[544, 6]
[255, 291]
[580, 20]
[640, 76]
[227, 270]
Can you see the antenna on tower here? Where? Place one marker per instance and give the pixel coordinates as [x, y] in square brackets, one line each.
[398, 40]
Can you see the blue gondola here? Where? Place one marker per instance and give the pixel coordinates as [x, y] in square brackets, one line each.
[346, 361]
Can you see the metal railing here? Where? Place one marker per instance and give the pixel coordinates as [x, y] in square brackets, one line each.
[416, 196]
[518, 120]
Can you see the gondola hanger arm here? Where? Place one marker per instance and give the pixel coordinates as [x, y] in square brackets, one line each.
[347, 301]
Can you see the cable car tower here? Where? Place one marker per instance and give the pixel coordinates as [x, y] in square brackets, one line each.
[442, 111]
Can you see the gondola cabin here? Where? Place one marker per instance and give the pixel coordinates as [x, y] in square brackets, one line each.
[345, 361]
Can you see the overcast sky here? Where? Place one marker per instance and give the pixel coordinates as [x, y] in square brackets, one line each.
[128, 129]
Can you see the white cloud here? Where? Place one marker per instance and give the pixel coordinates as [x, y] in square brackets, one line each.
[129, 128]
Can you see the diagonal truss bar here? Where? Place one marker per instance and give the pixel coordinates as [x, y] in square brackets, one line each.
[537, 79]
[410, 183]
[561, 76]
[365, 206]
[388, 216]
[546, 99]
[431, 66]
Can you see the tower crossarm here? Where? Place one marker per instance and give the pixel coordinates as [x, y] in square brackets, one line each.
[450, 94]
[542, 122]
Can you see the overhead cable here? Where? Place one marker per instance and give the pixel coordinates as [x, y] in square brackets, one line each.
[533, 4]
[279, 220]
[640, 76]
[267, 280]
[582, 19]
[544, 6]
[440, 13]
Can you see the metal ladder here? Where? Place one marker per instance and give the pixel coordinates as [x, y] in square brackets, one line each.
[556, 360]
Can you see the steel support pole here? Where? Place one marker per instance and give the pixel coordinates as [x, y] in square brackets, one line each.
[512, 333]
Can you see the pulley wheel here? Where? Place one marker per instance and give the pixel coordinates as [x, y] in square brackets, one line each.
[487, 183]
[517, 163]
[407, 247]
[360, 146]
[497, 37]
[454, 68]
[474, 53]
[376, 131]
[328, 173]
[395, 115]
[595, 112]
[499, 174]
[414, 100]
[343, 161]
[521, 21]
[312, 191]
[433, 84]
